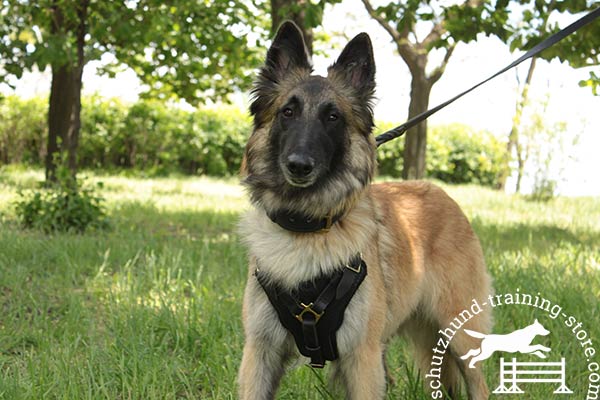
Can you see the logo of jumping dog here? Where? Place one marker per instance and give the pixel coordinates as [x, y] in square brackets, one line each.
[518, 341]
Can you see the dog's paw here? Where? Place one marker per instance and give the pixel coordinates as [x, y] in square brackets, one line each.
[539, 354]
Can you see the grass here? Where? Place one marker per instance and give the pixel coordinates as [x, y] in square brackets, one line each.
[151, 308]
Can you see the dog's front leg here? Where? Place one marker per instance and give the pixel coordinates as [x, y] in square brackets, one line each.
[363, 373]
[261, 370]
[267, 347]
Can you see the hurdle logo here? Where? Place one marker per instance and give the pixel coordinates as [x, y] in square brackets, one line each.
[513, 371]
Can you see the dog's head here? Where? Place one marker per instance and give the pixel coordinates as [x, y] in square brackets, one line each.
[311, 150]
[539, 329]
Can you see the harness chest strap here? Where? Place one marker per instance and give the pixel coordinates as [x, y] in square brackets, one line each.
[315, 310]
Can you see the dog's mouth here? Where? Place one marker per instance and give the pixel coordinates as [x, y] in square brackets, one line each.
[299, 181]
[298, 171]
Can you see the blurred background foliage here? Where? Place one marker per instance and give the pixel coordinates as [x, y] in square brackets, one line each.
[157, 139]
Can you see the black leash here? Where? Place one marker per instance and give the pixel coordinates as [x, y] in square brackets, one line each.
[550, 41]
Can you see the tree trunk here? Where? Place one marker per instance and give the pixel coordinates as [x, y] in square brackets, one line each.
[282, 10]
[77, 86]
[513, 136]
[64, 111]
[60, 113]
[73, 142]
[415, 144]
[415, 54]
[520, 169]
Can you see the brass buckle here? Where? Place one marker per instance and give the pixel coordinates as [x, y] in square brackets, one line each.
[308, 309]
[328, 223]
[356, 270]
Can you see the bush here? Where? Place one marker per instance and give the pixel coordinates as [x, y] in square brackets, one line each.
[458, 154]
[455, 154]
[22, 130]
[102, 123]
[543, 190]
[65, 206]
[147, 136]
[389, 155]
[158, 139]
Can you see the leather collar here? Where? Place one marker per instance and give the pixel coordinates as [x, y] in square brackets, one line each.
[301, 223]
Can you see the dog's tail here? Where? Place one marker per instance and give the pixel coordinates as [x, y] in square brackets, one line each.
[475, 334]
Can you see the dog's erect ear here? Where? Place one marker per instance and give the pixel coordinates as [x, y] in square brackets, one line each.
[286, 57]
[288, 50]
[356, 63]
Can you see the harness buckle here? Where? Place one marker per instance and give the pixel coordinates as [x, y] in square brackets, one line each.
[355, 270]
[308, 309]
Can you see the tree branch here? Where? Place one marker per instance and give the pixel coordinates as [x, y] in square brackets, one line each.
[405, 48]
[436, 33]
[439, 71]
[382, 21]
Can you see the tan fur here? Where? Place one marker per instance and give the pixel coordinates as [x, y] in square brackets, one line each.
[425, 267]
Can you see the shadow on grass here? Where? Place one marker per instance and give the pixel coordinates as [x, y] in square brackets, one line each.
[535, 238]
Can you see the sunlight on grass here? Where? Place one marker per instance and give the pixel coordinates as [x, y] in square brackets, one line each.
[195, 193]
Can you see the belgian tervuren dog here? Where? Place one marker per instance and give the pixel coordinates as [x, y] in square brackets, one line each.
[317, 224]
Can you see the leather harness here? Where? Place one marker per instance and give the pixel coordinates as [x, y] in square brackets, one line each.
[314, 311]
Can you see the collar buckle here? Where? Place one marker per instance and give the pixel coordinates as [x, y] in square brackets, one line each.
[328, 223]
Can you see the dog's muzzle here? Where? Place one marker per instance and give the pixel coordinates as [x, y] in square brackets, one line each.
[299, 170]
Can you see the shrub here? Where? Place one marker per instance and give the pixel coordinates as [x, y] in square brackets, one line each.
[156, 138]
[102, 122]
[223, 137]
[67, 205]
[153, 137]
[389, 155]
[455, 154]
[458, 154]
[543, 190]
[22, 130]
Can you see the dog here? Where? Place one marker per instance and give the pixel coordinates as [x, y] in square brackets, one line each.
[517, 341]
[312, 157]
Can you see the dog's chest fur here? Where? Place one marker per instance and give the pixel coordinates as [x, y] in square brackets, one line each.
[289, 258]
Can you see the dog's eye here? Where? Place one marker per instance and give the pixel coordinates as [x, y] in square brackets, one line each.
[288, 112]
[332, 117]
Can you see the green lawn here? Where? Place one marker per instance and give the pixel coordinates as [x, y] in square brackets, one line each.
[151, 308]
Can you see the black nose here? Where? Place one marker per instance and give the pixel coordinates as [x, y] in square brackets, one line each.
[300, 165]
